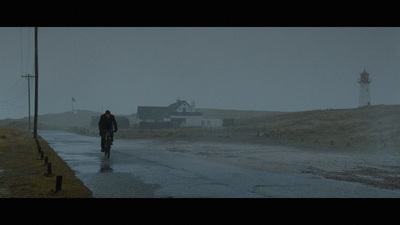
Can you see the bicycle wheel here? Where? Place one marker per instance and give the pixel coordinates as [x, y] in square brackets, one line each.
[107, 152]
[107, 146]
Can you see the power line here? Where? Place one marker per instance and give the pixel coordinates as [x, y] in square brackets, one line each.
[11, 89]
[23, 47]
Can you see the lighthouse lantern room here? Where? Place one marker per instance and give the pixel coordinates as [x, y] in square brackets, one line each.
[364, 81]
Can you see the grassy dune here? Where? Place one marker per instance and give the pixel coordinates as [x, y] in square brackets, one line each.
[365, 127]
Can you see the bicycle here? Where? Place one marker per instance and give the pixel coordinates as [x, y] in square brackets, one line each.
[107, 143]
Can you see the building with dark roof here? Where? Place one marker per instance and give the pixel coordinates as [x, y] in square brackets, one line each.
[174, 115]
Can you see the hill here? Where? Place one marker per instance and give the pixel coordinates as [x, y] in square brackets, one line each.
[371, 127]
[366, 127]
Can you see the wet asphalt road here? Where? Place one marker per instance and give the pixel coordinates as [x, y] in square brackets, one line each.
[147, 169]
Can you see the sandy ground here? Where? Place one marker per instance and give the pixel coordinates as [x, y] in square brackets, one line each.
[378, 168]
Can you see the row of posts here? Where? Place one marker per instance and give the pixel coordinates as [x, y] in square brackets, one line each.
[46, 162]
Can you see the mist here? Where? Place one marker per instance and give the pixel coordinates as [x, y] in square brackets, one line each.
[241, 68]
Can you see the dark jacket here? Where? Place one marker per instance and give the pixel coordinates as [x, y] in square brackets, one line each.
[107, 123]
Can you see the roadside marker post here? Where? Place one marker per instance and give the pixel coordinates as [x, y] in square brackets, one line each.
[49, 168]
[58, 183]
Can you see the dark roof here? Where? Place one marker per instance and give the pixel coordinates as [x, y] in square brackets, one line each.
[364, 72]
[174, 106]
[157, 112]
[152, 112]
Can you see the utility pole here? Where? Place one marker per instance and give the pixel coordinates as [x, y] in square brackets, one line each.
[36, 85]
[28, 77]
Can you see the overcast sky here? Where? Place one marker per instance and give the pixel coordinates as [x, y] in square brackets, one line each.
[243, 68]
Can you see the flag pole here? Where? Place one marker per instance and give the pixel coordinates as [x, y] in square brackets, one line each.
[72, 104]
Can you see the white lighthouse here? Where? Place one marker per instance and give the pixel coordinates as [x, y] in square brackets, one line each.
[365, 98]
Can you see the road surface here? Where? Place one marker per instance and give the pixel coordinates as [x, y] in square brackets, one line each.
[182, 169]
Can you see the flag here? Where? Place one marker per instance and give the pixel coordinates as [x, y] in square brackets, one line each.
[73, 99]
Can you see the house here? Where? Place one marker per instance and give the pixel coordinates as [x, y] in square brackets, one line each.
[175, 115]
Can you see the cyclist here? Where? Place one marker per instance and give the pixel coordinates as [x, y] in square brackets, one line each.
[107, 122]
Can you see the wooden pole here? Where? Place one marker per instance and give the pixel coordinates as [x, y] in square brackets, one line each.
[28, 77]
[36, 85]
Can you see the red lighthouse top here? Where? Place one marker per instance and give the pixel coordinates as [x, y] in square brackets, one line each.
[364, 77]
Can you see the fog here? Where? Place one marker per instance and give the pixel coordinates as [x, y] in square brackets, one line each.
[241, 68]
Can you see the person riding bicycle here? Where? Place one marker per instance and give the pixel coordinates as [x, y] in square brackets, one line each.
[107, 122]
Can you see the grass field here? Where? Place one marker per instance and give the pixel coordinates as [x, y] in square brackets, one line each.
[23, 174]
